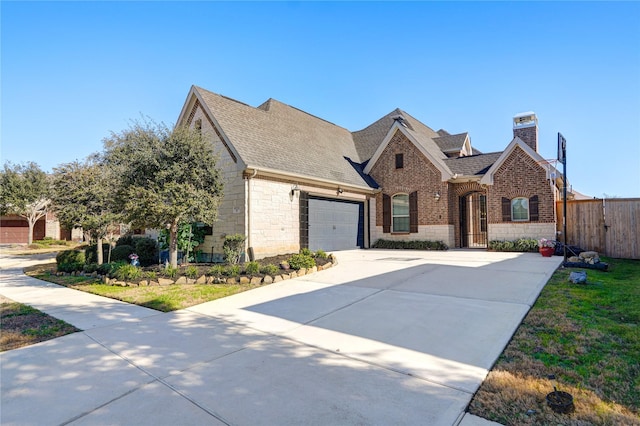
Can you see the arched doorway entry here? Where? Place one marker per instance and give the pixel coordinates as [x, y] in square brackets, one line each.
[473, 220]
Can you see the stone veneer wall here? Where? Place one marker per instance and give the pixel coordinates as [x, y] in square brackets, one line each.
[513, 231]
[275, 218]
[232, 208]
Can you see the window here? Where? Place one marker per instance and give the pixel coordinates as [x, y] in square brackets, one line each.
[399, 161]
[520, 209]
[400, 213]
[199, 126]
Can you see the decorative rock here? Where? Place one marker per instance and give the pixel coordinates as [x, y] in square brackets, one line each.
[314, 270]
[277, 278]
[143, 283]
[294, 274]
[574, 259]
[210, 280]
[106, 279]
[590, 257]
[267, 279]
[244, 280]
[256, 280]
[578, 277]
[165, 281]
[201, 280]
[327, 265]
[286, 276]
[154, 283]
[94, 274]
[182, 280]
[302, 272]
[120, 283]
[231, 281]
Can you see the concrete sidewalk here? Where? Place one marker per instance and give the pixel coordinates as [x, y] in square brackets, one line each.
[385, 337]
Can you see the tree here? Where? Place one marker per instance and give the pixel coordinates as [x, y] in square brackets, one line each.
[167, 176]
[82, 197]
[24, 191]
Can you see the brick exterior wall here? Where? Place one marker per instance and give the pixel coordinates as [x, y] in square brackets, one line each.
[418, 174]
[529, 135]
[520, 176]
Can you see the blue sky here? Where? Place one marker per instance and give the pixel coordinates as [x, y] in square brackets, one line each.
[72, 72]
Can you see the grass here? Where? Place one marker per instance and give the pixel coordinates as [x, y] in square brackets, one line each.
[22, 325]
[588, 337]
[161, 298]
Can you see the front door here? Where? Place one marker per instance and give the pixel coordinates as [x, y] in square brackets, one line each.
[473, 220]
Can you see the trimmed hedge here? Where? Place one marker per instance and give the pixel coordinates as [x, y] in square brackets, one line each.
[298, 261]
[520, 245]
[410, 245]
[147, 251]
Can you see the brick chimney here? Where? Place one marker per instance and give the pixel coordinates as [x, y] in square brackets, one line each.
[525, 127]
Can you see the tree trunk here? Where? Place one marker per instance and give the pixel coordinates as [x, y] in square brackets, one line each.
[32, 224]
[99, 250]
[173, 244]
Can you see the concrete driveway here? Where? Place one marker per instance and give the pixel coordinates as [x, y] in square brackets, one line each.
[385, 337]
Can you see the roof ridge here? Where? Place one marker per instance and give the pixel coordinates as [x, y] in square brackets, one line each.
[272, 100]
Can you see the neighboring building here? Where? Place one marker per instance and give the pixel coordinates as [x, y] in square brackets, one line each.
[15, 229]
[293, 180]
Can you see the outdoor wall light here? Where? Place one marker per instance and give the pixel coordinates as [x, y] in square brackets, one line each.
[437, 196]
[294, 189]
[340, 190]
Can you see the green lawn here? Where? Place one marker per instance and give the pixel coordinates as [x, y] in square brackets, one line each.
[588, 336]
[162, 298]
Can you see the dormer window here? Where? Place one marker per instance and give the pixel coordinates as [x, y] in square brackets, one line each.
[399, 161]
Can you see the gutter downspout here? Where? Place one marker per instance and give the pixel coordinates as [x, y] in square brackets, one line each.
[248, 211]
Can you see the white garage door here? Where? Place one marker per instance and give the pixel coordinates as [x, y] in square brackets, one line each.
[335, 225]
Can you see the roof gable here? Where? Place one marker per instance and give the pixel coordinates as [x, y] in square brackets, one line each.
[515, 143]
[437, 161]
[278, 137]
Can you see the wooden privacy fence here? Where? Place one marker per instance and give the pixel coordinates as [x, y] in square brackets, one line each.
[608, 226]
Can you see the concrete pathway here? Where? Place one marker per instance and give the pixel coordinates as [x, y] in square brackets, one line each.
[385, 337]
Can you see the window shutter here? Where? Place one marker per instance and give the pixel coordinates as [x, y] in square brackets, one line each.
[506, 209]
[533, 209]
[413, 212]
[386, 213]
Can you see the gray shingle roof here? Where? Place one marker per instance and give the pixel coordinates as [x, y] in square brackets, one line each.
[472, 165]
[277, 136]
[450, 143]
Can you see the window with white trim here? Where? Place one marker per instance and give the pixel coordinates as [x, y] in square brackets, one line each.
[400, 213]
[520, 209]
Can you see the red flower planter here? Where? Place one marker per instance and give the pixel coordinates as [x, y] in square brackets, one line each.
[547, 251]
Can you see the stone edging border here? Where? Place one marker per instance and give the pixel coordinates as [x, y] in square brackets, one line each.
[204, 279]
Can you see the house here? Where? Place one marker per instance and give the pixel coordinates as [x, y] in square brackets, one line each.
[293, 180]
[14, 229]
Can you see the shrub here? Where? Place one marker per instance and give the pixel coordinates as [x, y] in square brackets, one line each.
[121, 253]
[232, 247]
[91, 253]
[321, 254]
[521, 245]
[252, 268]
[70, 256]
[128, 272]
[232, 270]
[109, 269]
[216, 270]
[410, 245]
[270, 269]
[191, 271]
[170, 271]
[126, 240]
[298, 261]
[147, 251]
[306, 252]
[150, 275]
[90, 268]
[70, 267]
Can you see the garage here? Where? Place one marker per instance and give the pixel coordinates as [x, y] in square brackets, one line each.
[333, 224]
[15, 230]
